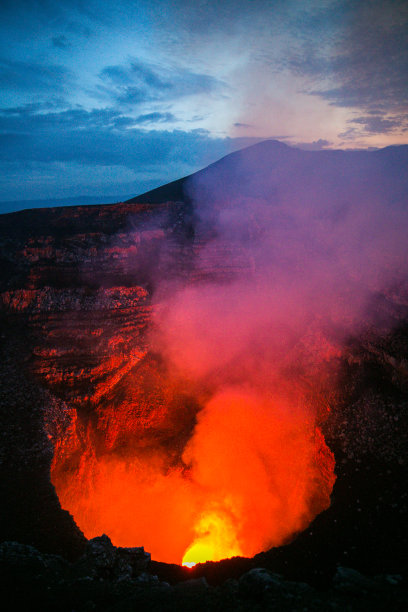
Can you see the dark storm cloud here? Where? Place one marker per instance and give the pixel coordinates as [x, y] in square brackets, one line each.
[142, 82]
[33, 77]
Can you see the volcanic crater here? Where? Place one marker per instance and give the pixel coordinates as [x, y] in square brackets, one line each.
[214, 369]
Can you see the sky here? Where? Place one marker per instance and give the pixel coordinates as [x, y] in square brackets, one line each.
[109, 99]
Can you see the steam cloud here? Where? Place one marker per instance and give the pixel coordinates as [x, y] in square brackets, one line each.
[314, 238]
[291, 250]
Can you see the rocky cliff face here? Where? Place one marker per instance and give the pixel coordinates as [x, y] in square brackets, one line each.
[80, 374]
[75, 307]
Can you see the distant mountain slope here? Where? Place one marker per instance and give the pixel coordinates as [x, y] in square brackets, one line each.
[262, 169]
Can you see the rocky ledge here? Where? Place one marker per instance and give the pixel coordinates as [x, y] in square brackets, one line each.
[109, 578]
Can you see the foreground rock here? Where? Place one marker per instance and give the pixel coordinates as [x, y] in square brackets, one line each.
[109, 578]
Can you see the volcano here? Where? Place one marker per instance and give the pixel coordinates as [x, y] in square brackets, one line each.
[216, 368]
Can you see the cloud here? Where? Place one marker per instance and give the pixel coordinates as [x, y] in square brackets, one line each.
[139, 82]
[366, 60]
[376, 124]
[316, 145]
[34, 118]
[156, 117]
[32, 77]
[39, 151]
[103, 136]
[55, 154]
[60, 42]
[358, 60]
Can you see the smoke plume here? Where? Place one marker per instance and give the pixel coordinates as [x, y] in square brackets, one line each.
[291, 251]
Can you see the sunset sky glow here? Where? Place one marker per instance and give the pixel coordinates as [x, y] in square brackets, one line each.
[117, 98]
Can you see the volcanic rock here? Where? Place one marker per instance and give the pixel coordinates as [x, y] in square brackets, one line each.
[105, 561]
[77, 285]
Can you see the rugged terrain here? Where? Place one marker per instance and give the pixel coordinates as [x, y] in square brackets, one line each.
[78, 371]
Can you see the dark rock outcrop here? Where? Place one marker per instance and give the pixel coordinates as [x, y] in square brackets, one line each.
[106, 578]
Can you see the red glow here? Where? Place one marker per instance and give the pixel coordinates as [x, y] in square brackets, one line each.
[254, 472]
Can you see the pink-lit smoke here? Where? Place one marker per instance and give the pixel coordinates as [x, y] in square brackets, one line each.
[291, 252]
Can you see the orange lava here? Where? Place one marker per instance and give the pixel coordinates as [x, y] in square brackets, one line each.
[254, 472]
[215, 539]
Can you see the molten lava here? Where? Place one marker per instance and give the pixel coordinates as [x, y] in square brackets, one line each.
[254, 472]
[215, 540]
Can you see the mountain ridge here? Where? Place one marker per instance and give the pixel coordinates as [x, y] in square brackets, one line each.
[176, 190]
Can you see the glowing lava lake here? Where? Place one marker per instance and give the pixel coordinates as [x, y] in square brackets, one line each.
[253, 473]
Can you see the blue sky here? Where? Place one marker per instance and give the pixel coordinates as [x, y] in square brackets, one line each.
[101, 98]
